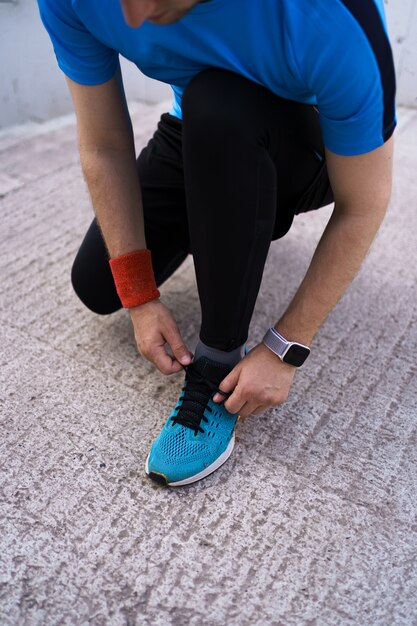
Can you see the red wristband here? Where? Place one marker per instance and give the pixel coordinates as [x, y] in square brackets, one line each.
[134, 278]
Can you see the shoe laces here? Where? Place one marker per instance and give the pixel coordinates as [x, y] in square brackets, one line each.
[197, 392]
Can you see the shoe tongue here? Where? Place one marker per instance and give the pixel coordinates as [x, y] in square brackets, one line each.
[211, 370]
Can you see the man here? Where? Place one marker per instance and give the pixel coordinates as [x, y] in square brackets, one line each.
[279, 108]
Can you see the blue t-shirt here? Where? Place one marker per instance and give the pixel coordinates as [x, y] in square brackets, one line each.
[331, 53]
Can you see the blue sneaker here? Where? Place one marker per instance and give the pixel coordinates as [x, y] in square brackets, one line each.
[198, 436]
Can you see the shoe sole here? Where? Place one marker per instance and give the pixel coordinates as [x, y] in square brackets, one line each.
[161, 478]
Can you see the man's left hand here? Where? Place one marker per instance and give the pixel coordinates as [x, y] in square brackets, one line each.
[259, 381]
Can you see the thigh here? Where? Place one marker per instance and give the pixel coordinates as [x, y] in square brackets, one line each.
[160, 170]
[241, 118]
[298, 153]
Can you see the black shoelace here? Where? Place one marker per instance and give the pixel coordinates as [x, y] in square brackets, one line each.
[197, 392]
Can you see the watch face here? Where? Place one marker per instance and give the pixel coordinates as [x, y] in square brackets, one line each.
[296, 355]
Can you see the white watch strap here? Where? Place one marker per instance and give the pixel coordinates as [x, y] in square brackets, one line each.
[276, 342]
[281, 347]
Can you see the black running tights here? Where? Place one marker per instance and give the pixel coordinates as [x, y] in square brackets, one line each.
[221, 184]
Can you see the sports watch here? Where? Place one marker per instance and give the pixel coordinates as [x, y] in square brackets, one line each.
[288, 351]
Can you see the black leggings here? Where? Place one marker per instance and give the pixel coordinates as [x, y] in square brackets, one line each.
[221, 184]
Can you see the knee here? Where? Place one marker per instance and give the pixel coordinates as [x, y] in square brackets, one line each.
[79, 283]
[90, 290]
[215, 102]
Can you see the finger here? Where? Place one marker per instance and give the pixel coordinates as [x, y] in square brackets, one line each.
[247, 409]
[228, 384]
[163, 361]
[259, 410]
[223, 394]
[235, 403]
[242, 411]
[177, 345]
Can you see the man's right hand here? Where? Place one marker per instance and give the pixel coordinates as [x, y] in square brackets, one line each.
[154, 326]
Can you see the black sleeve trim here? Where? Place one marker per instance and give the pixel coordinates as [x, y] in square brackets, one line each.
[368, 17]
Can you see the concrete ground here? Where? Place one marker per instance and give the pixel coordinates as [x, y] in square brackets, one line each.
[313, 519]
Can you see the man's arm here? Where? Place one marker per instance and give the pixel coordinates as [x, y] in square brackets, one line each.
[107, 155]
[362, 189]
[108, 161]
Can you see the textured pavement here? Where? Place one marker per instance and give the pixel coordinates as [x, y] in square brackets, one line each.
[313, 519]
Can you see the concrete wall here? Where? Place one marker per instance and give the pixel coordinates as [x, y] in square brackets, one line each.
[31, 87]
[402, 24]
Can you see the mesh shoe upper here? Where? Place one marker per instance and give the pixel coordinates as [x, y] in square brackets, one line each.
[198, 430]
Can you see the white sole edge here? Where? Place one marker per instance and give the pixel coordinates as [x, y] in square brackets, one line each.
[205, 472]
